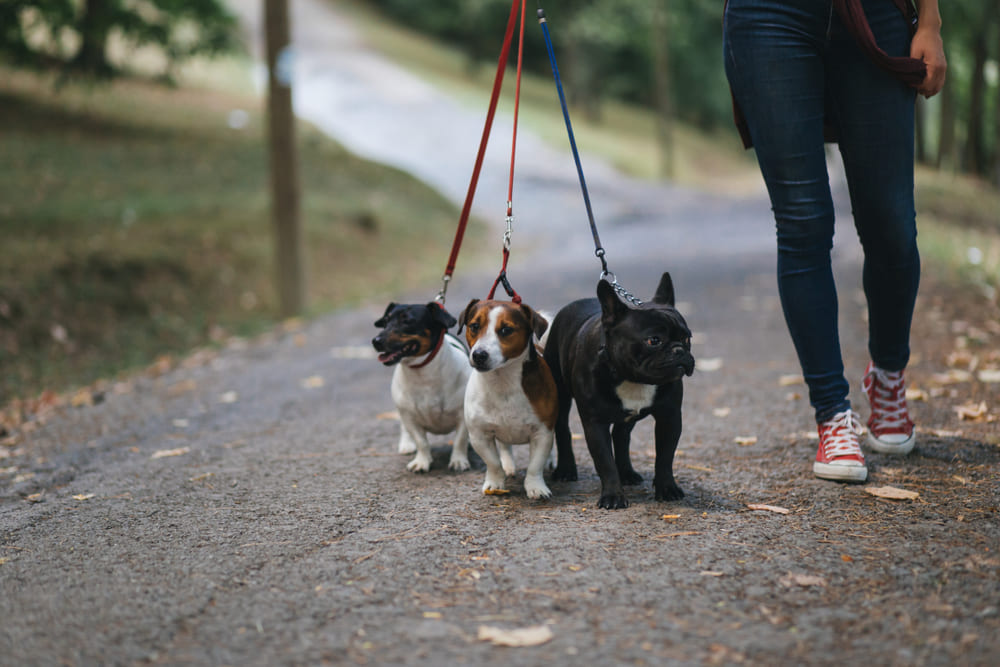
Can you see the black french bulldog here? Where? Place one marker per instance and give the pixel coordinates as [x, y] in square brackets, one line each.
[620, 363]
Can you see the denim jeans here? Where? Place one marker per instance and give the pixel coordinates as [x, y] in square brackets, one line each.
[791, 64]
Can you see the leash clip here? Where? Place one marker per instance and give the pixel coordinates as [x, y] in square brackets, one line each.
[445, 279]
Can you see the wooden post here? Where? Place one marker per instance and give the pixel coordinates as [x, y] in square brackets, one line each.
[283, 161]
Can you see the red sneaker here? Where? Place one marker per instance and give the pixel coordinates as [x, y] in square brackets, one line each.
[890, 429]
[839, 456]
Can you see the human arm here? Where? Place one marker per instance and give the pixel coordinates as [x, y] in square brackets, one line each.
[928, 46]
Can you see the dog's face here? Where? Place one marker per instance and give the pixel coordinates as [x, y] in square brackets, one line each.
[648, 344]
[410, 330]
[499, 331]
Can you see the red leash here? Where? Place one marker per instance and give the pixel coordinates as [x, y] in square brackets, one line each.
[470, 194]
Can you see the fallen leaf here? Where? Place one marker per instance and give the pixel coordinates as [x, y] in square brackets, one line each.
[721, 412]
[805, 580]
[745, 441]
[953, 376]
[846, 558]
[671, 516]
[229, 397]
[183, 387]
[496, 492]
[181, 423]
[170, 452]
[312, 382]
[915, 394]
[768, 508]
[530, 636]
[989, 375]
[83, 496]
[711, 573]
[702, 468]
[971, 411]
[388, 415]
[82, 398]
[789, 380]
[709, 365]
[34, 498]
[432, 614]
[891, 492]
[941, 433]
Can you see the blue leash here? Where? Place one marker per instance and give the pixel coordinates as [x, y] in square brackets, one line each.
[599, 249]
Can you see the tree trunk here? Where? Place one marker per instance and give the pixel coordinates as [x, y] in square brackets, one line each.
[664, 102]
[284, 167]
[94, 26]
[975, 152]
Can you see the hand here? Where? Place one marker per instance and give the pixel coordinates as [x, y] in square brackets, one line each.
[928, 46]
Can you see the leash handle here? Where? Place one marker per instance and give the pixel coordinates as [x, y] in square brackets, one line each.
[491, 112]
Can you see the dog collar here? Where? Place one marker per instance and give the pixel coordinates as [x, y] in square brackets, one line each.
[432, 353]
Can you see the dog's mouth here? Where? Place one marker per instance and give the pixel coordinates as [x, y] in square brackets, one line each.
[392, 357]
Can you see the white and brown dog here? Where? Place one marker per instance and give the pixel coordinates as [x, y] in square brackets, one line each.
[511, 398]
[428, 383]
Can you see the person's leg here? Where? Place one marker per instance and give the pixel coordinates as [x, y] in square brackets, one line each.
[775, 64]
[873, 112]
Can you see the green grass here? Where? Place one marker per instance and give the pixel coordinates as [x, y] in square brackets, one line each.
[136, 223]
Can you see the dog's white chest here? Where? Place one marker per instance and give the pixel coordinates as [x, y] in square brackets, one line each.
[635, 397]
[500, 408]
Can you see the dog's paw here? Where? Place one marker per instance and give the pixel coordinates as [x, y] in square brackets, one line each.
[613, 501]
[536, 488]
[420, 463]
[407, 446]
[564, 474]
[507, 463]
[667, 492]
[458, 464]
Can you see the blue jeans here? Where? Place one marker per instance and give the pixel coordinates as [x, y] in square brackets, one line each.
[791, 64]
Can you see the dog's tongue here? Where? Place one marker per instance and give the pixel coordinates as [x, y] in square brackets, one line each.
[387, 357]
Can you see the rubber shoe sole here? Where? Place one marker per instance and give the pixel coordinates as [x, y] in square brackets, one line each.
[840, 473]
[900, 448]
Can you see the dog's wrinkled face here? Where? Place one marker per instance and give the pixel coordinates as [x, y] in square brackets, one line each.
[648, 344]
[410, 330]
[498, 332]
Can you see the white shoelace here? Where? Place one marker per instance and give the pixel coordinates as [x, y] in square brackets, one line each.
[843, 430]
[887, 394]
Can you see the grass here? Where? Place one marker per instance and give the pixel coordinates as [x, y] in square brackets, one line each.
[136, 223]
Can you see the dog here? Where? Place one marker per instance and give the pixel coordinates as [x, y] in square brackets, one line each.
[620, 363]
[428, 383]
[511, 397]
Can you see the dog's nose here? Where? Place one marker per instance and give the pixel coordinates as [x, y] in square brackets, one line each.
[377, 343]
[480, 358]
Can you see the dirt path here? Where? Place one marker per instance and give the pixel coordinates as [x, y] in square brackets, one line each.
[247, 506]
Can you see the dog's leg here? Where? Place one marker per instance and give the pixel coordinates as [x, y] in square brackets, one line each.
[422, 461]
[486, 447]
[541, 447]
[598, 437]
[406, 444]
[460, 449]
[668, 432]
[565, 470]
[507, 458]
[621, 435]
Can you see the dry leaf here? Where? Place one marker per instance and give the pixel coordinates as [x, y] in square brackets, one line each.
[846, 558]
[388, 415]
[432, 614]
[229, 397]
[971, 411]
[82, 398]
[954, 376]
[989, 375]
[575, 568]
[496, 492]
[182, 387]
[83, 496]
[721, 412]
[34, 498]
[891, 492]
[711, 573]
[709, 365]
[789, 380]
[768, 508]
[745, 441]
[531, 636]
[170, 452]
[701, 468]
[671, 516]
[312, 382]
[914, 394]
[181, 423]
[790, 580]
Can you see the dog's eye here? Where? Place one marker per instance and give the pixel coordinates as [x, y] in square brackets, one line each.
[505, 331]
[653, 341]
[474, 328]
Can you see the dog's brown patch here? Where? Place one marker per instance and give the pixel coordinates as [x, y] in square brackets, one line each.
[540, 388]
[423, 340]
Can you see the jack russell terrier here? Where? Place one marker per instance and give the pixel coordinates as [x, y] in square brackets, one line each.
[512, 397]
[428, 383]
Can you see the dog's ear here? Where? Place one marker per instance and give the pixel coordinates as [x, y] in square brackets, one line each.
[612, 308]
[665, 291]
[440, 315]
[382, 321]
[537, 323]
[463, 319]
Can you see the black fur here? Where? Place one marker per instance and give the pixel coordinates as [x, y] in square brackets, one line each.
[402, 323]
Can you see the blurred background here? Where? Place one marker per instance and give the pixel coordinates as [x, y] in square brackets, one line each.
[136, 220]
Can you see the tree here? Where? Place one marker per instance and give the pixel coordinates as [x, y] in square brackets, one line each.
[73, 35]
